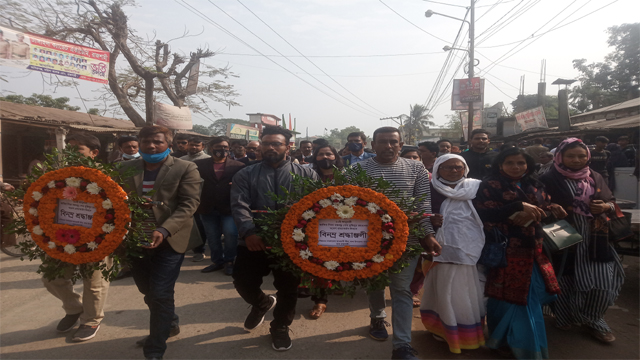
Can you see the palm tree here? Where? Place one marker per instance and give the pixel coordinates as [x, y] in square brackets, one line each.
[417, 122]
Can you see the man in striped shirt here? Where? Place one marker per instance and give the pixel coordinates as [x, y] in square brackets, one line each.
[412, 179]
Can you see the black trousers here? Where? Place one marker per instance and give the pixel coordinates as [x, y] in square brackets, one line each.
[249, 269]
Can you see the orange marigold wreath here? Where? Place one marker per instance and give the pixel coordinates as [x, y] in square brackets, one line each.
[77, 244]
[387, 233]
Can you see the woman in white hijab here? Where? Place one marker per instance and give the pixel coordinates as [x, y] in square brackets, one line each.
[452, 306]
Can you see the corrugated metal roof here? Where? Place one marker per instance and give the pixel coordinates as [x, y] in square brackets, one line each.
[44, 115]
[623, 105]
[623, 123]
[105, 129]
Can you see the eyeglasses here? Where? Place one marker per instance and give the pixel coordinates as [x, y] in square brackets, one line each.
[272, 144]
[452, 168]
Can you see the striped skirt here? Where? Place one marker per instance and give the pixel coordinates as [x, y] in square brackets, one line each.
[452, 305]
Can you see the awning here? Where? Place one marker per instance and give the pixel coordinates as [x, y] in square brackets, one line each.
[104, 129]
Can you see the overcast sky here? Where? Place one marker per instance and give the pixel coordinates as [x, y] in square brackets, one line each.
[344, 40]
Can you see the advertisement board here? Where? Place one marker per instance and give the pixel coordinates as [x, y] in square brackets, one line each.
[477, 122]
[532, 118]
[470, 90]
[39, 53]
[458, 104]
[235, 131]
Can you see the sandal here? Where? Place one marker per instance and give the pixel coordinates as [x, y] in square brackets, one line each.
[317, 311]
[416, 301]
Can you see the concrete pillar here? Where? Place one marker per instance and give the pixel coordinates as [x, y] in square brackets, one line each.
[564, 124]
[61, 134]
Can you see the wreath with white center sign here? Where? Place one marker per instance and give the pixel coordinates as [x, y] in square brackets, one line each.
[77, 213]
[341, 234]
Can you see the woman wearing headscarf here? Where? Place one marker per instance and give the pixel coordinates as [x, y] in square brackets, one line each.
[452, 304]
[593, 274]
[513, 202]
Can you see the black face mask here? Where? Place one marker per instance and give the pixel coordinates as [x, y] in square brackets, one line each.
[221, 153]
[326, 163]
[251, 156]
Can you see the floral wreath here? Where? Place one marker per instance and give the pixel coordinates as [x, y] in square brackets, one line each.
[77, 244]
[386, 242]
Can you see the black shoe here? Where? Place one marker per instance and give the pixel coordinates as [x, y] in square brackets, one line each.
[280, 340]
[67, 323]
[85, 332]
[405, 352]
[228, 268]
[378, 329]
[256, 316]
[175, 330]
[212, 268]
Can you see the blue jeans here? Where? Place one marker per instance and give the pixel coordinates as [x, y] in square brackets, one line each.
[401, 304]
[216, 225]
[155, 275]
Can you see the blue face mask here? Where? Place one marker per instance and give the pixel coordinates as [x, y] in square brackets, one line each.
[155, 158]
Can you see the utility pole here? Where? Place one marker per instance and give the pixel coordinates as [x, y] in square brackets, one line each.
[471, 64]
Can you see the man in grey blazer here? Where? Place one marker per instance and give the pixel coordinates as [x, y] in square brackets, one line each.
[176, 196]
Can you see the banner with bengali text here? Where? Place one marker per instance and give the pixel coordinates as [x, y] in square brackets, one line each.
[39, 53]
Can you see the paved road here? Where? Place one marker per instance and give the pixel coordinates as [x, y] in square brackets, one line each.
[211, 321]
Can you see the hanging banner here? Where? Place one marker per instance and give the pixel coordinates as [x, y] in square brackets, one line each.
[477, 122]
[458, 104]
[235, 131]
[172, 117]
[39, 53]
[532, 118]
[470, 90]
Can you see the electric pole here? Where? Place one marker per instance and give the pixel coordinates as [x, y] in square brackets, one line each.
[471, 65]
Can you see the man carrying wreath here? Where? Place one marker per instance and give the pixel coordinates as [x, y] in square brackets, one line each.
[412, 179]
[87, 307]
[176, 186]
[250, 194]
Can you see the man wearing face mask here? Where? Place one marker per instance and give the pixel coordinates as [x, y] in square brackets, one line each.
[356, 141]
[215, 205]
[250, 192]
[252, 153]
[176, 196]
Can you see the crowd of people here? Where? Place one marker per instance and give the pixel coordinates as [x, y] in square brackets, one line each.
[478, 196]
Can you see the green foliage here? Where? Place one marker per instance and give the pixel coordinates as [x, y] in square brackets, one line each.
[51, 268]
[268, 225]
[416, 123]
[338, 138]
[219, 127]
[200, 129]
[454, 123]
[42, 100]
[94, 111]
[615, 80]
[526, 102]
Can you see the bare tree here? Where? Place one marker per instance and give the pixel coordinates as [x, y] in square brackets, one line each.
[151, 72]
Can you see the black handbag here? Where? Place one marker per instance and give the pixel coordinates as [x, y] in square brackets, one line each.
[619, 226]
[494, 252]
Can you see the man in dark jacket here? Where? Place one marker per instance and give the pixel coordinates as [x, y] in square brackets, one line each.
[250, 192]
[479, 158]
[215, 205]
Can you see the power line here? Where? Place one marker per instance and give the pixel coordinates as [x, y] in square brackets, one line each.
[441, 3]
[554, 28]
[336, 56]
[416, 26]
[513, 17]
[540, 28]
[498, 88]
[309, 60]
[221, 28]
[292, 62]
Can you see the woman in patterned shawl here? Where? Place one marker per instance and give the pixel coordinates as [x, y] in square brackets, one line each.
[514, 202]
[593, 274]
